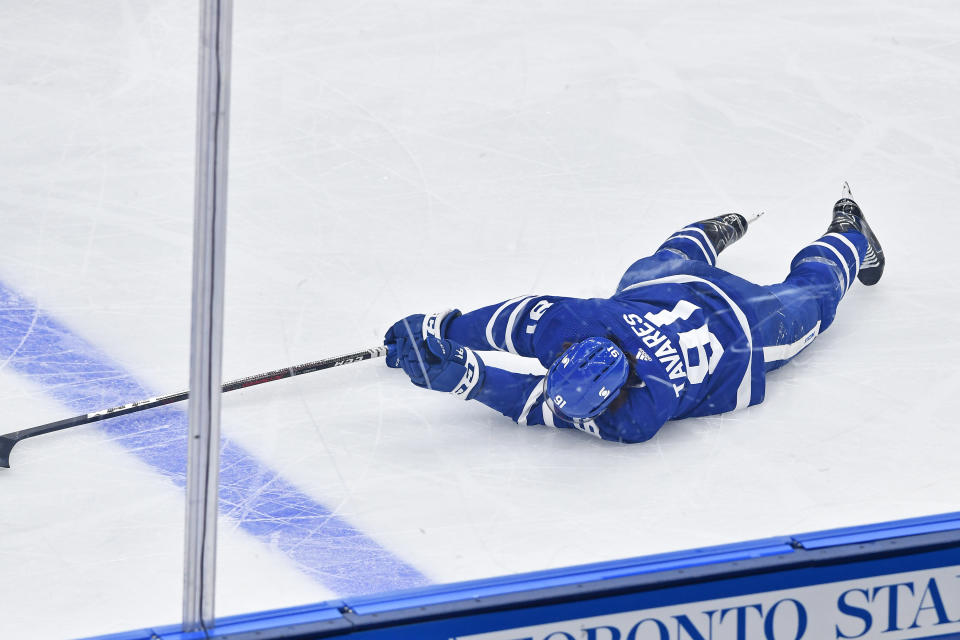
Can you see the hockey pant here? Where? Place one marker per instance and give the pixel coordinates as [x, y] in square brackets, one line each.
[790, 314]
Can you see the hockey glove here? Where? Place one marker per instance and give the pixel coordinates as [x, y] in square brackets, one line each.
[444, 366]
[413, 330]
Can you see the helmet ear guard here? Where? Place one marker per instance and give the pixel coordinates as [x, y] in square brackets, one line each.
[586, 378]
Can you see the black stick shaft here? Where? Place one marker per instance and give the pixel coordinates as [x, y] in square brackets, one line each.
[7, 441]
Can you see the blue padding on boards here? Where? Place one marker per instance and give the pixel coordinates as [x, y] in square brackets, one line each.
[323, 546]
[591, 573]
[880, 531]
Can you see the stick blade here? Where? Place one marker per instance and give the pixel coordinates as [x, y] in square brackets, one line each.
[6, 446]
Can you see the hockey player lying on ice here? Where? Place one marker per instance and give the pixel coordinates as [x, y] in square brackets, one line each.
[679, 338]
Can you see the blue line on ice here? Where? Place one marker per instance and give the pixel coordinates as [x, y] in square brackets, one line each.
[265, 505]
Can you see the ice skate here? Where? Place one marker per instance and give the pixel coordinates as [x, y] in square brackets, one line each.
[848, 217]
[724, 230]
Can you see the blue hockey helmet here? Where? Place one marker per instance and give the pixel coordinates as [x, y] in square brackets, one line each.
[585, 379]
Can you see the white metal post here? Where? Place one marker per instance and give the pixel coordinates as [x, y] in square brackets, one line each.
[206, 340]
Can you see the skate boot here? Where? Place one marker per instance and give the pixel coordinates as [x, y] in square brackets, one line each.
[848, 217]
[724, 230]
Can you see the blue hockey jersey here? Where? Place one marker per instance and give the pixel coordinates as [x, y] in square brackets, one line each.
[691, 338]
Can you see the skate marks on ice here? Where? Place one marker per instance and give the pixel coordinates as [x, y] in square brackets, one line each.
[263, 504]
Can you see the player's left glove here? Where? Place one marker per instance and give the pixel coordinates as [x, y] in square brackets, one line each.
[444, 366]
[413, 330]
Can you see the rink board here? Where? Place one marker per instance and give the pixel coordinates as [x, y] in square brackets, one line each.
[896, 580]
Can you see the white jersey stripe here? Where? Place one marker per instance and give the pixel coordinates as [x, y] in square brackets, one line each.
[547, 415]
[844, 267]
[706, 254]
[493, 321]
[706, 239]
[744, 391]
[512, 321]
[853, 249]
[787, 351]
[535, 395]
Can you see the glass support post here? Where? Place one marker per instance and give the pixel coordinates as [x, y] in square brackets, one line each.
[206, 342]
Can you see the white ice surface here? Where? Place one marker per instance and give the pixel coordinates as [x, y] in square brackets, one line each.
[392, 158]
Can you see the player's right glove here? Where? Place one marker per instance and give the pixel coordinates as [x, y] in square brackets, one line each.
[445, 366]
[412, 331]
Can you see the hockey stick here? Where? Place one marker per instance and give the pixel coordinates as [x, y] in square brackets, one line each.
[9, 440]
